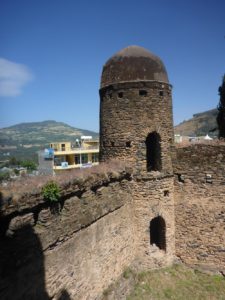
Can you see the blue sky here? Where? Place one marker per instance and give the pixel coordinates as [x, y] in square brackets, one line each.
[52, 53]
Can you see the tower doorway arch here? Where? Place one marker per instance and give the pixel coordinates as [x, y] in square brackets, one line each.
[158, 232]
[153, 152]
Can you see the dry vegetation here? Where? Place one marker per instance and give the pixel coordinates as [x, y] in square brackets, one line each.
[27, 185]
[177, 282]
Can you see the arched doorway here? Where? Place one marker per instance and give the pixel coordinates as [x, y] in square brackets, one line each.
[158, 232]
[153, 152]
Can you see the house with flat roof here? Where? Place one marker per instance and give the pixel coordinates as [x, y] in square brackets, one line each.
[61, 156]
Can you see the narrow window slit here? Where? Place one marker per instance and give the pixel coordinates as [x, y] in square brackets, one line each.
[128, 144]
[180, 178]
[143, 93]
[166, 193]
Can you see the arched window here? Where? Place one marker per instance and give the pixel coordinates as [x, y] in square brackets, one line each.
[158, 232]
[153, 152]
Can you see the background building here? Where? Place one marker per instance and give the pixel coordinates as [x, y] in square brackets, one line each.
[61, 156]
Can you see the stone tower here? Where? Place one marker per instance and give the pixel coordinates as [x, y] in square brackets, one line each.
[136, 111]
[136, 126]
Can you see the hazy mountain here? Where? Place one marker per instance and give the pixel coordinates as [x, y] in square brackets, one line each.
[200, 124]
[25, 139]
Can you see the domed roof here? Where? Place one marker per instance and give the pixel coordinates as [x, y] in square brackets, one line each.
[133, 63]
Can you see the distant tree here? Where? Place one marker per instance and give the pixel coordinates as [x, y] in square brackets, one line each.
[30, 165]
[4, 176]
[13, 161]
[221, 108]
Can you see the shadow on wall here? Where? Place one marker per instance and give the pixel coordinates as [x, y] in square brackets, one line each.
[64, 295]
[22, 272]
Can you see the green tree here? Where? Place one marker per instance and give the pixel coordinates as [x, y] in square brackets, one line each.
[30, 165]
[221, 110]
[4, 176]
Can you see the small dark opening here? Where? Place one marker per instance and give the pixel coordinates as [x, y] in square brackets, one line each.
[166, 193]
[143, 93]
[110, 95]
[112, 144]
[128, 144]
[180, 178]
[158, 232]
[153, 152]
[160, 93]
[120, 94]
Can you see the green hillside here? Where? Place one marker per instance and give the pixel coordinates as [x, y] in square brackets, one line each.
[200, 124]
[25, 139]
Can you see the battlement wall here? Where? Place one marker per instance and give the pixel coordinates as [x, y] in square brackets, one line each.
[199, 205]
[70, 250]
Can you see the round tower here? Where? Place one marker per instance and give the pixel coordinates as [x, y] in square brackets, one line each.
[136, 126]
[136, 123]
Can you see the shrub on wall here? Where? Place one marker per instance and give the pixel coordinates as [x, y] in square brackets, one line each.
[51, 191]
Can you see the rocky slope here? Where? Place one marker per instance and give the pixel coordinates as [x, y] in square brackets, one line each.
[200, 124]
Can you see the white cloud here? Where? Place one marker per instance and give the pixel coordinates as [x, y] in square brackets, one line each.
[13, 77]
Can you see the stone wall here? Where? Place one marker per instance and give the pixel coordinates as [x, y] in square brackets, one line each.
[75, 249]
[129, 112]
[153, 198]
[200, 205]
[70, 250]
